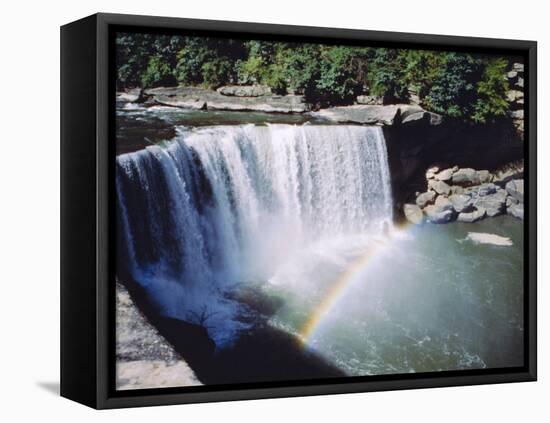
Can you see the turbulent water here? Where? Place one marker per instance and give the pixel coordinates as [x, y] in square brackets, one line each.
[225, 204]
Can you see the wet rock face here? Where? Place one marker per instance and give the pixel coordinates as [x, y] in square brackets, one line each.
[467, 195]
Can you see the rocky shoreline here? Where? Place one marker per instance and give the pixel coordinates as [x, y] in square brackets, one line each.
[144, 358]
[467, 195]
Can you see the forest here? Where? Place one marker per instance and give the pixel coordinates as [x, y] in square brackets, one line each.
[457, 85]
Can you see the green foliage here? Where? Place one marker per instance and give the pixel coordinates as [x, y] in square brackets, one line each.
[157, 73]
[491, 91]
[338, 76]
[457, 85]
[454, 90]
[387, 75]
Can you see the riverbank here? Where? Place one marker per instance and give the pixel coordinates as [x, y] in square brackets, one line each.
[144, 359]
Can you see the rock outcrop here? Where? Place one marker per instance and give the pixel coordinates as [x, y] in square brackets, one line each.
[144, 358]
[375, 114]
[253, 98]
[467, 195]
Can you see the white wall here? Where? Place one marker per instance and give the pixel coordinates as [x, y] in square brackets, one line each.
[29, 232]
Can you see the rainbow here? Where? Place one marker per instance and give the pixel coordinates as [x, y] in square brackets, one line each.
[341, 285]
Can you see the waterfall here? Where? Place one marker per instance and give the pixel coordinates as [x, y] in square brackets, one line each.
[222, 205]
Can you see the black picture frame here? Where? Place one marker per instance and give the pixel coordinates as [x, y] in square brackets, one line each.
[87, 110]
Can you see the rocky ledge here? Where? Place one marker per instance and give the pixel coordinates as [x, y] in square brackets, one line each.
[384, 115]
[232, 98]
[261, 99]
[144, 358]
[467, 195]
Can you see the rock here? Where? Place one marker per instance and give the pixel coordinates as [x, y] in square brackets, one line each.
[245, 90]
[516, 114]
[131, 96]
[511, 201]
[514, 95]
[444, 175]
[494, 204]
[364, 114]
[516, 210]
[518, 67]
[512, 75]
[440, 212]
[430, 173]
[369, 99]
[200, 98]
[515, 189]
[465, 177]
[413, 213]
[486, 189]
[145, 359]
[461, 202]
[484, 176]
[455, 189]
[425, 198]
[503, 176]
[439, 186]
[473, 216]
[379, 114]
[519, 83]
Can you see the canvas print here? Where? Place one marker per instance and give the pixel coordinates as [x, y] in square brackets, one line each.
[299, 211]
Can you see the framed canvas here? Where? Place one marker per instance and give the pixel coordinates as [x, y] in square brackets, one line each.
[256, 211]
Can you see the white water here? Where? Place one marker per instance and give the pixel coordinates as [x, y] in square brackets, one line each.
[224, 205]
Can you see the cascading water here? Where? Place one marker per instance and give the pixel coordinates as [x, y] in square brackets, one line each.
[222, 205]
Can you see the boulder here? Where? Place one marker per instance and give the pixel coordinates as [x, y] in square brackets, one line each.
[455, 189]
[465, 177]
[484, 176]
[473, 216]
[445, 175]
[516, 210]
[440, 212]
[515, 189]
[486, 189]
[413, 213]
[245, 90]
[430, 173]
[425, 198]
[518, 67]
[439, 187]
[461, 202]
[514, 95]
[494, 204]
[516, 114]
[511, 201]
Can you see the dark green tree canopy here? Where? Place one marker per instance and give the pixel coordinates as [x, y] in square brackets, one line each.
[457, 85]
